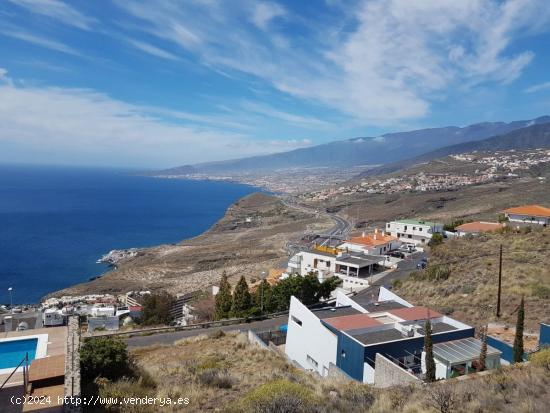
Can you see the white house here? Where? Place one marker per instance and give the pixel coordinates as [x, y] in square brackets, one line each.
[412, 231]
[373, 338]
[530, 214]
[354, 268]
[376, 243]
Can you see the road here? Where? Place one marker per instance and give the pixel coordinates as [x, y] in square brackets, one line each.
[170, 338]
[405, 267]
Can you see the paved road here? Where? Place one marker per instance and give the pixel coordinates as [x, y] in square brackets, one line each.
[170, 338]
[404, 269]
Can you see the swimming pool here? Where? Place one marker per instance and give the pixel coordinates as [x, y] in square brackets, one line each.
[12, 352]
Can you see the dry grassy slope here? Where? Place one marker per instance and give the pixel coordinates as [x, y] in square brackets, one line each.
[187, 369]
[471, 288]
[232, 245]
[472, 202]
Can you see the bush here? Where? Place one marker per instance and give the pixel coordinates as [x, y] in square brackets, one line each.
[437, 273]
[540, 291]
[358, 395]
[104, 357]
[280, 396]
[219, 378]
[541, 358]
[437, 239]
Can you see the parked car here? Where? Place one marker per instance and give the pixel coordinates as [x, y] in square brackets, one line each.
[421, 265]
[397, 254]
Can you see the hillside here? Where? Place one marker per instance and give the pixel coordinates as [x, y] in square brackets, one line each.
[249, 239]
[531, 137]
[225, 373]
[383, 149]
[467, 288]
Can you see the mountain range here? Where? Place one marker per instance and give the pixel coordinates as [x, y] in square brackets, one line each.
[369, 151]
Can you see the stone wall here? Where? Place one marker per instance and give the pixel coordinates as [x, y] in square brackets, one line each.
[72, 366]
[388, 373]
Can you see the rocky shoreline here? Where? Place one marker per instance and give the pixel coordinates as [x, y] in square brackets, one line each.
[113, 257]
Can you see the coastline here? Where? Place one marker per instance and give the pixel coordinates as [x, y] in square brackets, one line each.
[249, 238]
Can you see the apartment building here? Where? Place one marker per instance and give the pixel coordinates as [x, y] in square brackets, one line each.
[413, 231]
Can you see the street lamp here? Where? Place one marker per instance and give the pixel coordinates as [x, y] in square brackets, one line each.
[11, 300]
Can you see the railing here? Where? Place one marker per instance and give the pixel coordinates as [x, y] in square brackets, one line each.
[25, 372]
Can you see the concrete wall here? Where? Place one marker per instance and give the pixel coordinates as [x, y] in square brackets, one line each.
[387, 295]
[389, 374]
[527, 219]
[309, 339]
[343, 300]
[72, 365]
[107, 323]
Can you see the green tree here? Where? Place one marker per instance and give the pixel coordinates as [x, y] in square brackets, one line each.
[483, 352]
[156, 308]
[242, 301]
[223, 299]
[104, 357]
[262, 297]
[429, 352]
[307, 289]
[437, 239]
[518, 340]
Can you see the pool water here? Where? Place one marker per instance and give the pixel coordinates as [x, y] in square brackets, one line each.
[12, 352]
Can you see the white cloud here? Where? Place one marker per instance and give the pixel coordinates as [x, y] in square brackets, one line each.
[267, 110]
[58, 10]
[152, 50]
[40, 41]
[393, 60]
[53, 124]
[538, 88]
[265, 12]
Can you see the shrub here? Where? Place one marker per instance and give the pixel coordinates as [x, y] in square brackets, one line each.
[358, 395]
[437, 273]
[219, 378]
[279, 396]
[397, 284]
[541, 358]
[540, 291]
[106, 357]
[437, 239]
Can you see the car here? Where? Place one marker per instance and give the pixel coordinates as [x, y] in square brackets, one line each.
[397, 254]
[424, 259]
[421, 265]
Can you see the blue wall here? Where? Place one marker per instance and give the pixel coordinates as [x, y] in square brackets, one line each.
[357, 354]
[507, 349]
[544, 339]
[352, 363]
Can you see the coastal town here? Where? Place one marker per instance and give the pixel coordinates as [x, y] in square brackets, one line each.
[482, 169]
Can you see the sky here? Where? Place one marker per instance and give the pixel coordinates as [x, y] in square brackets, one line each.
[165, 83]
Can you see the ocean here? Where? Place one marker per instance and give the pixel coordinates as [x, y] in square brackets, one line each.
[56, 222]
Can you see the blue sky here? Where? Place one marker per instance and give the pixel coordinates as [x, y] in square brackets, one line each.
[163, 83]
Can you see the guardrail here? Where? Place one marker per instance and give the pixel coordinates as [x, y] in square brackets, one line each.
[25, 364]
[196, 326]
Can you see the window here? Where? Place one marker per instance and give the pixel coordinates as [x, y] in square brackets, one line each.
[409, 236]
[420, 229]
[299, 322]
[388, 225]
[312, 361]
[414, 228]
[423, 240]
[343, 353]
[405, 228]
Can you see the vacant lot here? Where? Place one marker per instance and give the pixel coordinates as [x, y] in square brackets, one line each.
[462, 280]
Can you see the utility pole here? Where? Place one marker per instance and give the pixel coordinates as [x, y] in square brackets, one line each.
[499, 281]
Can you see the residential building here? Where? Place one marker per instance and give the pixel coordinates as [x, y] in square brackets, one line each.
[529, 214]
[477, 227]
[354, 268]
[413, 231]
[376, 243]
[370, 329]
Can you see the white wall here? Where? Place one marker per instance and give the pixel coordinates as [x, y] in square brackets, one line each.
[368, 374]
[420, 234]
[527, 219]
[386, 295]
[343, 300]
[311, 338]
